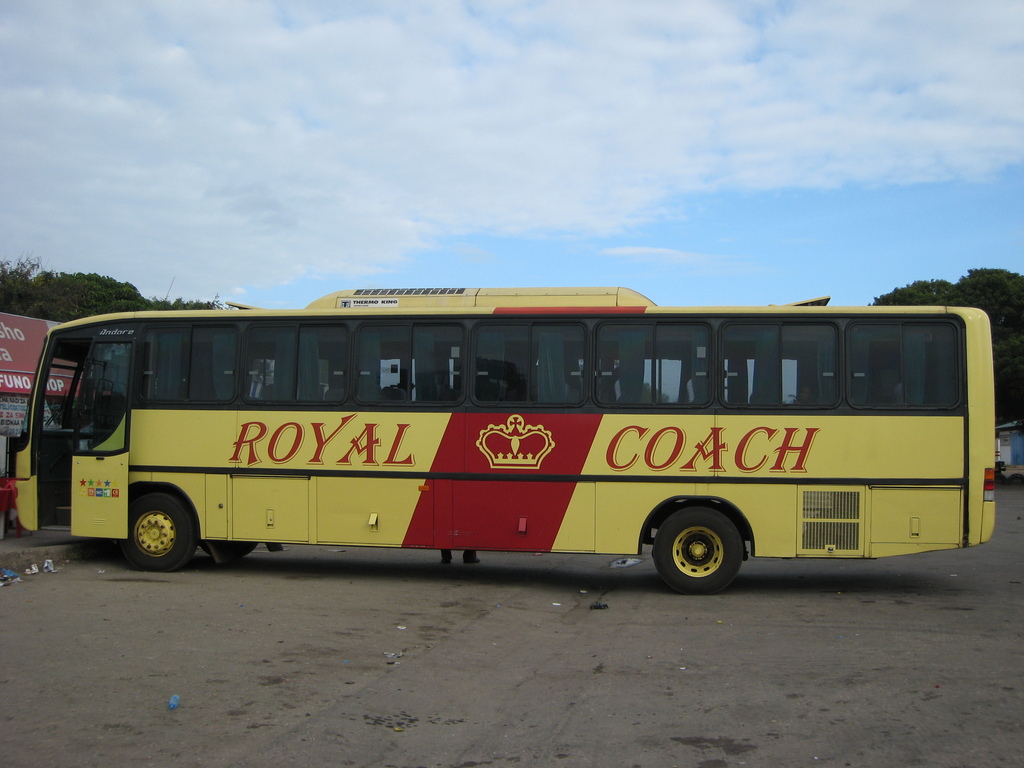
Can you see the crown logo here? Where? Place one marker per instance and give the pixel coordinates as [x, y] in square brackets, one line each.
[513, 445]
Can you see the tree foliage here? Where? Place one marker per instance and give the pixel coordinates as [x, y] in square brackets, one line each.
[1001, 294]
[28, 289]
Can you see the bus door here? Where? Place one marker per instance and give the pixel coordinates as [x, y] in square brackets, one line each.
[82, 465]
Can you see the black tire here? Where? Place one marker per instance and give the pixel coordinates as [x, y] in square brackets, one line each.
[698, 551]
[161, 534]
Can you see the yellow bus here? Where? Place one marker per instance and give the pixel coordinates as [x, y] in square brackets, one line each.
[536, 420]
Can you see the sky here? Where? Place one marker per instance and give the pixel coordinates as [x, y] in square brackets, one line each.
[701, 152]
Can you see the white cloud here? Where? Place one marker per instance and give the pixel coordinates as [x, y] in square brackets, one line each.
[664, 255]
[251, 143]
[471, 254]
[692, 263]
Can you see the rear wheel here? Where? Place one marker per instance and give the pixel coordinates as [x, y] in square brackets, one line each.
[698, 551]
[161, 534]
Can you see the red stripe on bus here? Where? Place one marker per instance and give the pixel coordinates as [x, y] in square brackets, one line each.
[512, 514]
[506, 515]
[569, 310]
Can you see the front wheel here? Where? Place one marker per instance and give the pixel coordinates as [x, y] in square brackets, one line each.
[698, 551]
[161, 534]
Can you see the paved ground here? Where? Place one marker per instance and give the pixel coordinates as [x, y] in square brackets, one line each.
[320, 656]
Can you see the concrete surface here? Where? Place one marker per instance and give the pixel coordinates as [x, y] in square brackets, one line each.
[19, 552]
[321, 656]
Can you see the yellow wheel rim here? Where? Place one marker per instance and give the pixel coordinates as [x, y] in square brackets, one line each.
[154, 533]
[698, 551]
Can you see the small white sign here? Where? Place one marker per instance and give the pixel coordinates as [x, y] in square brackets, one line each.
[13, 411]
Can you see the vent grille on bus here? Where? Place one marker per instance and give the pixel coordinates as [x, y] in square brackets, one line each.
[410, 292]
[831, 521]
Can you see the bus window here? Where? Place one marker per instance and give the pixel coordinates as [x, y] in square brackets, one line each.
[437, 363]
[681, 358]
[751, 365]
[558, 355]
[166, 364]
[193, 364]
[270, 364]
[212, 364]
[903, 365]
[502, 355]
[776, 365]
[520, 363]
[809, 365]
[624, 366]
[101, 400]
[61, 382]
[930, 360]
[404, 363]
[384, 358]
[323, 364]
[664, 363]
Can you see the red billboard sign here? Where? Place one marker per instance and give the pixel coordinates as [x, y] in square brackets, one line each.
[21, 342]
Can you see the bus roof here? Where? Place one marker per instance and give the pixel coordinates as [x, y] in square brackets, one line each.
[485, 301]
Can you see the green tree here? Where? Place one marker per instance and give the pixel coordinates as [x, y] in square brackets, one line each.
[76, 294]
[1001, 294]
[18, 291]
[27, 289]
[179, 303]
